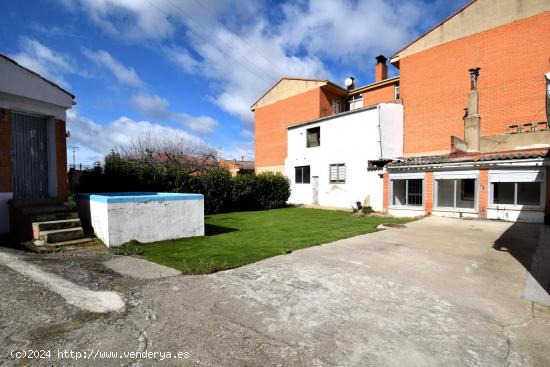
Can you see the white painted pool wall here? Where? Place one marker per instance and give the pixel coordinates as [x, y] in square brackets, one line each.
[117, 223]
[353, 139]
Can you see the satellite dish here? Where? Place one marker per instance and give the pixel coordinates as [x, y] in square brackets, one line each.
[348, 82]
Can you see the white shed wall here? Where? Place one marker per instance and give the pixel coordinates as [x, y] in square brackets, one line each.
[352, 139]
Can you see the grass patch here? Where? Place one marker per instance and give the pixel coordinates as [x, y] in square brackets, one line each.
[240, 238]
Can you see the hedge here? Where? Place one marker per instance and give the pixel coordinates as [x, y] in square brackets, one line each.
[221, 191]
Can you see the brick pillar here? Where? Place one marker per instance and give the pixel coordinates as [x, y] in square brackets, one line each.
[61, 158]
[5, 151]
[483, 192]
[428, 181]
[386, 195]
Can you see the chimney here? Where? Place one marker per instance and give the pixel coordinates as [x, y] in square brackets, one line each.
[381, 71]
[471, 118]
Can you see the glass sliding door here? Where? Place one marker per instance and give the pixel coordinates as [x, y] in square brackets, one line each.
[456, 193]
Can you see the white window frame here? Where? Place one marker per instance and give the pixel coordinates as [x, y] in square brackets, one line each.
[455, 176]
[396, 91]
[518, 176]
[307, 137]
[355, 102]
[408, 176]
[338, 165]
[302, 169]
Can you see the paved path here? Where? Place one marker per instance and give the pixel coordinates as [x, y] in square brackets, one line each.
[439, 292]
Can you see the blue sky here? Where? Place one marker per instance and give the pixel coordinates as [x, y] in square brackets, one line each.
[192, 68]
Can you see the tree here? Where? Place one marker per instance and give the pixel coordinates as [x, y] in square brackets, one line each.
[179, 153]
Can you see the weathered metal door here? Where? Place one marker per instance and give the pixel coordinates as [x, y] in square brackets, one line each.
[29, 142]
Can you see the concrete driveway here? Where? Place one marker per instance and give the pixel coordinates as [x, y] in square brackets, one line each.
[440, 292]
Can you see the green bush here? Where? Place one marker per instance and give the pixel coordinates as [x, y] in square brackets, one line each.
[221, 191]
[216, 188]
[367, 210]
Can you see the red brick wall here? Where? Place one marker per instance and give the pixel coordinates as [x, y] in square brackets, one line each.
[61, 154]
[483, 192]
[5, 151]
[271, 122]
[386, 195]
[428, 182]
[325, 100]
[435, 83]
[379, 95]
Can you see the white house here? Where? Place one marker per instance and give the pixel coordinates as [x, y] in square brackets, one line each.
[337, 160]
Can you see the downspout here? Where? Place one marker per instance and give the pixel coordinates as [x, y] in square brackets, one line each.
[379, 130]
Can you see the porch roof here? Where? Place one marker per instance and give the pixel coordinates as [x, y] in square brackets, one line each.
[459, 157]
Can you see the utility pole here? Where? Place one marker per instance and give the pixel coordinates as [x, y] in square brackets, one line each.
[75, 149]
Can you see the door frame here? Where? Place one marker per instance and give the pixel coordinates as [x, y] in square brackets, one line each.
[315, 189]
[51, 151]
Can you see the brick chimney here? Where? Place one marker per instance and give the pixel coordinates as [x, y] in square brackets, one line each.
[472, 119]
[381, 71]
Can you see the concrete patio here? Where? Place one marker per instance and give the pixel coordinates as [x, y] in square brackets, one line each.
[438, 292]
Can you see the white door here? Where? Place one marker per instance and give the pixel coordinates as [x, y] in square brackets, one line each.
[315, 187]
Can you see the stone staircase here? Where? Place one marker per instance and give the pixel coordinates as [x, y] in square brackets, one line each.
[48, 224]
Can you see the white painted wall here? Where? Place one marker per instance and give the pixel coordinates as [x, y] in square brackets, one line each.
[4, 211]
[20, 82]
[27, 105]
[353, 139]
[117, 223]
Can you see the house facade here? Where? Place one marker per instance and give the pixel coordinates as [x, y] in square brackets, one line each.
[475, 84]
[33, 156]
[324, 171]
[475, 126]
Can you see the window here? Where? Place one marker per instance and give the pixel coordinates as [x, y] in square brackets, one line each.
[336, 108]
[301, 175]
[456, 193]
[397, 95]
[355, 102]
[313, 137]
[516, 193]
[407, 192]
[337, 173]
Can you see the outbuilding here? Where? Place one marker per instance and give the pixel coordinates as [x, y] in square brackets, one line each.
[33, 153]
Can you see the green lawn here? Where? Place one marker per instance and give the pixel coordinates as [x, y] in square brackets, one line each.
[240, 238]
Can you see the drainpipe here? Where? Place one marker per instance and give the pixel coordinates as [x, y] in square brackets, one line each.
[379, 130]
[547, 77]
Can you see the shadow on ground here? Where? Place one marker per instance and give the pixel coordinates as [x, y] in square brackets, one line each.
[213, 230]
[534, 256]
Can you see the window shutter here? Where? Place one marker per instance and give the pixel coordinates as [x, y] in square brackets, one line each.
[341, 173]
[333, 173]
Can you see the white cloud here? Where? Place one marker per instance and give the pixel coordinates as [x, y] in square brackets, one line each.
[159, 108]
[47, 62]
[241, 51]
[242, 150]
[183, 59]
[124, 75]
[130, 20]
[95, 140]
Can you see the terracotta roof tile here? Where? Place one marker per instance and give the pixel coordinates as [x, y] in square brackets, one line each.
[471, 157]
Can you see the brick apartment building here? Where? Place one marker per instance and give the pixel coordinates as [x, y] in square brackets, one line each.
[475, 126]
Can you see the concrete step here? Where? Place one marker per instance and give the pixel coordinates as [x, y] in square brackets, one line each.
[60, 235]
[81, 243]
[44, 209]
[38, 227]
[26, 202]
[46, 217]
